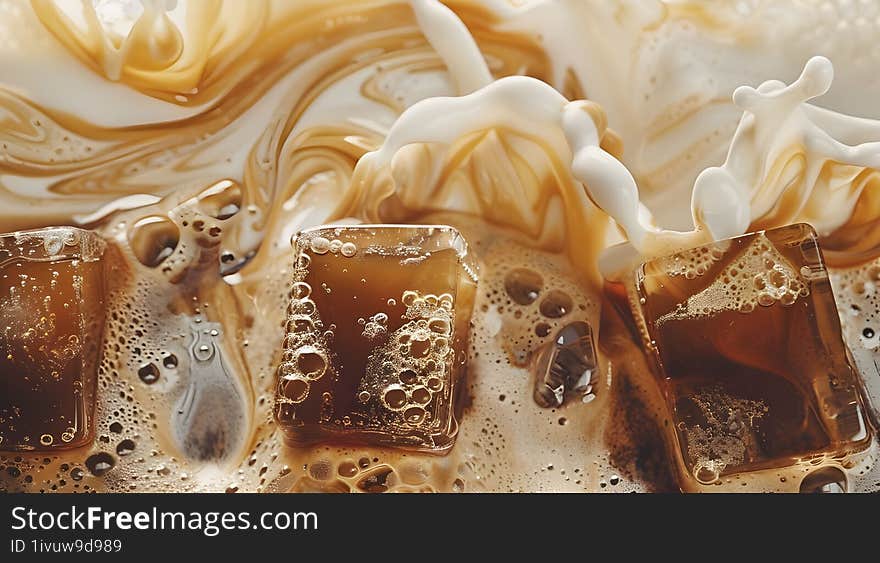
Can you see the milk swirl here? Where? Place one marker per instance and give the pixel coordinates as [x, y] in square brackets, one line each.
[198, 145]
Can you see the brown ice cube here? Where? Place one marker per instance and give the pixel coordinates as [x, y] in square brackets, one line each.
[376, 335]
[51, 321]
[747, 348]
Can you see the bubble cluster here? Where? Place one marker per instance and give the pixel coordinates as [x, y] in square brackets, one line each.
[694, 262]
[503, 418]
[725, 437]
[376, 327]
[409, 375]
[323, 245]
[527, 300]
[758, 276]
[306, 356]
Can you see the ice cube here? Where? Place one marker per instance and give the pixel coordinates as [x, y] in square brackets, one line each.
[375, 341]
[566, 365]
[51, 321]
[747, 347]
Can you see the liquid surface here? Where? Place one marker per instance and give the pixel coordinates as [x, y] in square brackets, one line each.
[198, 137]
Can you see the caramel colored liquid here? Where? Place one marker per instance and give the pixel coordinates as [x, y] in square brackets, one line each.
[388, 334]
[749, 354]
[50, 316]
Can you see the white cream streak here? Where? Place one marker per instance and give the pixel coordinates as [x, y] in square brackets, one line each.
[775, 117]
[452, 41]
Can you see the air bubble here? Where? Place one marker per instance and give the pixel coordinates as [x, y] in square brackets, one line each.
[421, 395]
[319, 245]
[303, 307]
[170, 361]
[300, 290]
[825, 480]
[321, 470]
[303, 261]
[420, 348]
[706, 474]
[100, 463]
[295, 389]
[414, 415]
[556, 304]
[348, 249]
[523, 285]
[440, 326]
[299, 325]
[53, 244]
[311, 363]
[149, 373]
[347, 469]
[408, 377]
[435, 384]
[394, 398]
[778, 279]
[376, 481]
[125, 447]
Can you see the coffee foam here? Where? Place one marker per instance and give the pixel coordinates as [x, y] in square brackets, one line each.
[759, 276]
[138, 148]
